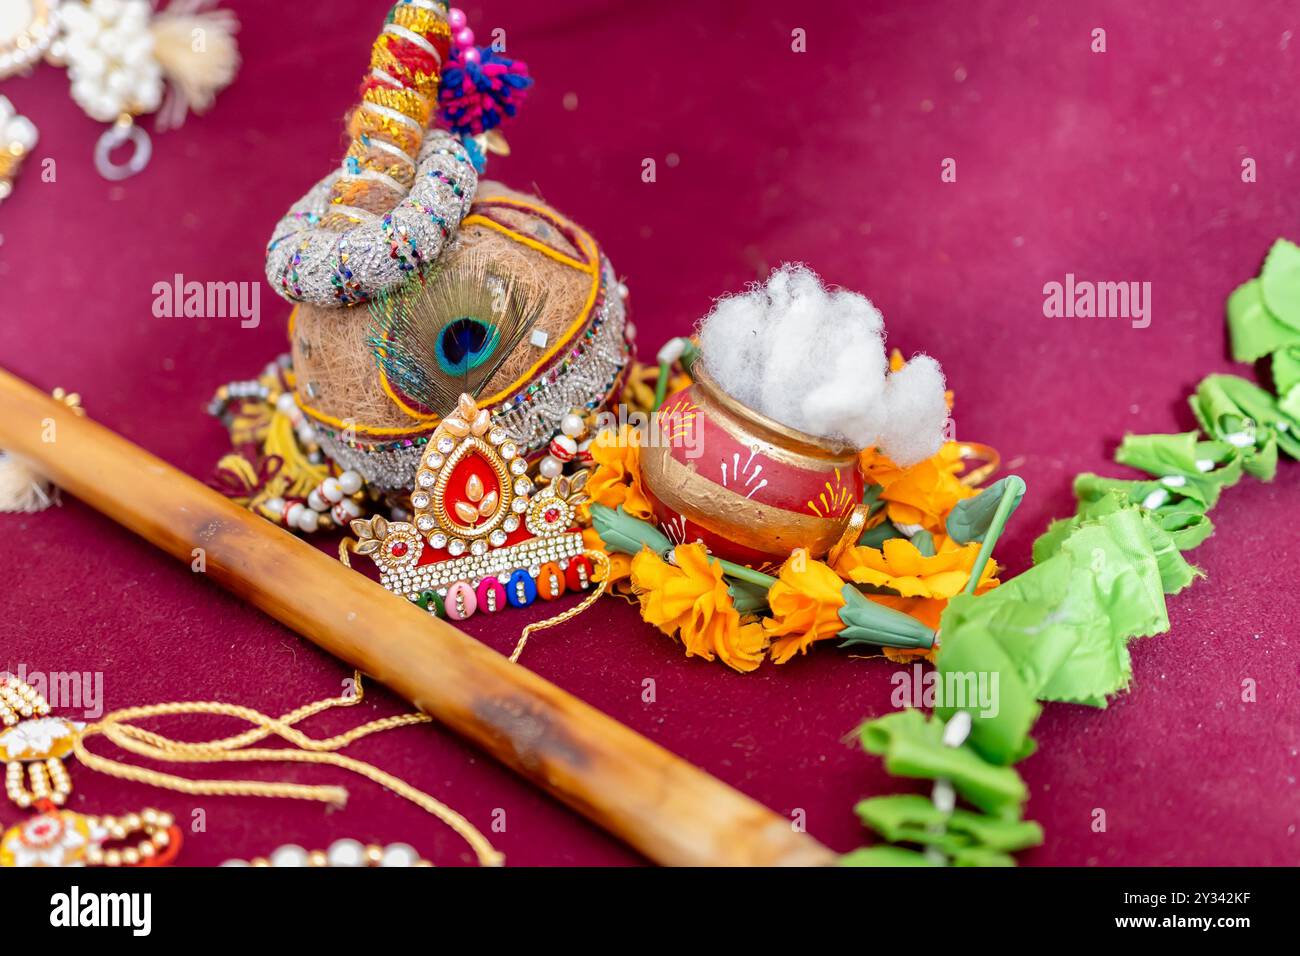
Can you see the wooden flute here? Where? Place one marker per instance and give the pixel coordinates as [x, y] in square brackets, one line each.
[672, 812]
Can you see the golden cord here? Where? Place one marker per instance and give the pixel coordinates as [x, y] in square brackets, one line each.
[988, 461]
[602, 562]
[117, 728]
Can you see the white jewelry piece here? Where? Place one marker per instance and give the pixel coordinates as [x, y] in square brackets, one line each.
[341, 853]
[125, 60]
[27, 30]
[18, 137]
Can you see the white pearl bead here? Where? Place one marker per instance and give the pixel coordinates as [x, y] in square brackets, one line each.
[331, 489]
[275, 506]
[345, 511]
[308, 520]
[295, 509]
[291, 854]
[316, 501]
[346, 853]
[22, 131]
[350, 482]
[285, 403]
[147, 94]
[573, 425]
[550, 467]
[306, 434]
[399, 854]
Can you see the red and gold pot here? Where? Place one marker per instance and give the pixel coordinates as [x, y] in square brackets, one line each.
[751, 489]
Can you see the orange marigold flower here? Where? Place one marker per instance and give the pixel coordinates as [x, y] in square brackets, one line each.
[690, 600]
[805, 605]
[616, 479]
[922, 494]
[921, 585]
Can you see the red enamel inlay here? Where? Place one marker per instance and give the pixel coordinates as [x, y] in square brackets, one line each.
[578, 574]
[471, 464]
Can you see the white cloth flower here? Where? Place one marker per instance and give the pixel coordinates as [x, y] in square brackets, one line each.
[36, 737]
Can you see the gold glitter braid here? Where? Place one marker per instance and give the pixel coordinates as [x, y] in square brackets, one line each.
[388, 114]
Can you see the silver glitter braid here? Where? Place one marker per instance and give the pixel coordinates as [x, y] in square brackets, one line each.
[305, 263]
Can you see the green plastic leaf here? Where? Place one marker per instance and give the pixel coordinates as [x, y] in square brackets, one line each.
[912, 818]
[1059, 631]
[1279, 283]
[866, 622]
[1252, 329]
[621, 532]
[1286, 369]
[1180, 460]
[912, 746]
[1254, 405]
[1222, 419]
[1150, 494]
[877, 536]
[1286, 380]
[1175, 572]
[886, 856]
[748, 598]
[970, 518]
[979, 856]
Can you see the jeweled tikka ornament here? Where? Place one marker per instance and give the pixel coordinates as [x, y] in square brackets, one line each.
[481, 536]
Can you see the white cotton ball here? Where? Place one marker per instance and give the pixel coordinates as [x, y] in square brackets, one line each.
[915, 411]
[814, 359]
[734, 347]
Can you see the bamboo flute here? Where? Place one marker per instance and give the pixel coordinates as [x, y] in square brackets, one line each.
[669, 810]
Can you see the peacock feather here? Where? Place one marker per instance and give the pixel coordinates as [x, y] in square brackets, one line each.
[448, 333]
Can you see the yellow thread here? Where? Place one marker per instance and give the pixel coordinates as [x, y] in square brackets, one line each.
[602, 563]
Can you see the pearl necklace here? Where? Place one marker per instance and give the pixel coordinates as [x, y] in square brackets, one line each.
[340, 853]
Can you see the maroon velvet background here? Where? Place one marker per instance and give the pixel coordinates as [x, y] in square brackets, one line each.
[1116, 166]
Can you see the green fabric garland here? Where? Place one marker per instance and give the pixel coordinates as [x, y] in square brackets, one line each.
[1060, 631]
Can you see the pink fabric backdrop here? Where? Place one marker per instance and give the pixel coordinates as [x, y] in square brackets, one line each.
[1116, 166]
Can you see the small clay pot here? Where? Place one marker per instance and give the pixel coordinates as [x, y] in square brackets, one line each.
[749, 487]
